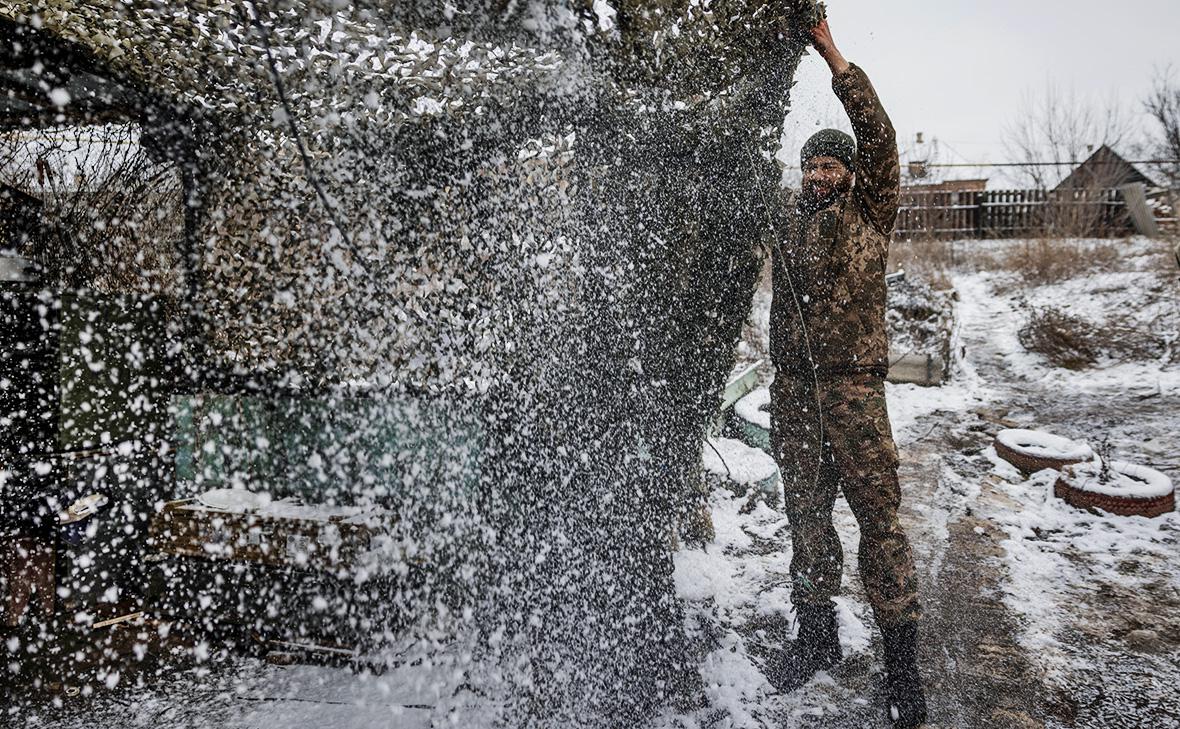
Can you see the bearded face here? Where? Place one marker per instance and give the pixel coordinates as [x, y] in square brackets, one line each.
[824, 180]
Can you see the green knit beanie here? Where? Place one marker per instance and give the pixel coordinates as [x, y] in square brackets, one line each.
[830, 143]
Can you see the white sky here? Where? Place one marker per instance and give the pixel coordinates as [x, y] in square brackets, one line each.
[959, 70]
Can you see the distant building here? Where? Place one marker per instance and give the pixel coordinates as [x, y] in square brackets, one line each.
[976, 185]
[1104, 169]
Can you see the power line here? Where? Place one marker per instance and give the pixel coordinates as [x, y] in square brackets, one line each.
[1047, 164]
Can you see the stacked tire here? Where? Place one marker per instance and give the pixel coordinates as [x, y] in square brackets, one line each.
[1128, 489]
[1032, 450]
[1087, 481]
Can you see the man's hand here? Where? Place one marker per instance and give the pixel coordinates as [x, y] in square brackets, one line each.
[821, 38]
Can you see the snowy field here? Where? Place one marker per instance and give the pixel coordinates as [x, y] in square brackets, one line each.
[1038, 614]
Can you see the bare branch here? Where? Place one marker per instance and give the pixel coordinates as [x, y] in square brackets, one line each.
[1163, 105]
[1057, 128]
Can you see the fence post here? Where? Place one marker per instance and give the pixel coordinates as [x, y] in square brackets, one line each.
[981, 222]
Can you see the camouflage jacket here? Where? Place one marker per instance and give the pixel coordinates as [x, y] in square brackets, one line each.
[828, 309]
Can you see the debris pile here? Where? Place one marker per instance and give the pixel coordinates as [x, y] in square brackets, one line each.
[920, 319]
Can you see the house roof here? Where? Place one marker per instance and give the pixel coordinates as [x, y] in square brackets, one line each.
[1104, 168]
[971, 185]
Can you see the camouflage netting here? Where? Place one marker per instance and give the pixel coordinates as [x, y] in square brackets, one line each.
[553, 212]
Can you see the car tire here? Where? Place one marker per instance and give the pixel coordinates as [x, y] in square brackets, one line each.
[1031, 451]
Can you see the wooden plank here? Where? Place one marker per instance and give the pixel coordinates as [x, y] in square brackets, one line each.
[188, 529]
[1135, 198]
[741, 385]
[917, 369]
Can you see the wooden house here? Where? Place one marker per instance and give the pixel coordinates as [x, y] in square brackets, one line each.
[1104, 169]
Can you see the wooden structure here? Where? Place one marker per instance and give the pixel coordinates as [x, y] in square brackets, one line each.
[972, 185]
[304, 539]
[1011, 214]
[1103, 170]
[1090, 201]
[917, 368]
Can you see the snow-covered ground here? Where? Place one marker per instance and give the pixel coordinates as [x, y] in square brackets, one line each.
[1090, 598]
[1097, 597]
[1038, 614]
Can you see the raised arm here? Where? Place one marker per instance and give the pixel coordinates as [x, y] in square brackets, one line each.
[878, 170]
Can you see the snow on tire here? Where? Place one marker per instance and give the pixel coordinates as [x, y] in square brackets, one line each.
[1122, 488]
[1032, 450]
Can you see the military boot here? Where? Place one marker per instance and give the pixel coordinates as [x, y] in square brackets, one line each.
[816, 649]
[907, 703]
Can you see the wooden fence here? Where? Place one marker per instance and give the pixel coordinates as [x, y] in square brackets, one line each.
[1011, 214]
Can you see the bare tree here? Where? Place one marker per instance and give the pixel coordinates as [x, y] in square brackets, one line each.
[1163, 105]
[109, 217]
[1058, 128]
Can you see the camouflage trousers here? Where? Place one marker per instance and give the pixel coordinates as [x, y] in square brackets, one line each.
[851, 450]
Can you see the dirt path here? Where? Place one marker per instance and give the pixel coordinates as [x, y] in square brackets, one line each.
[1112, 649]
[978, 675]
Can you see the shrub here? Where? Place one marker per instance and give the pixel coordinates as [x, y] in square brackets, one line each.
[1075, 343]
[1065, 340]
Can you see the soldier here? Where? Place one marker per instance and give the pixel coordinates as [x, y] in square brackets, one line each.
[830, 428]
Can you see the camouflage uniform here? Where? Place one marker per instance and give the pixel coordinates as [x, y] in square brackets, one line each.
[829, 347]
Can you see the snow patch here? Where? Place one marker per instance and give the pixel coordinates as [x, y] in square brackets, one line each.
[1056, 555]
[235, 500]
[909, 404]
[605, 15]
[1090, 297]
[753, 408]
[737, 461]
[1129, 480]
[1044, 445]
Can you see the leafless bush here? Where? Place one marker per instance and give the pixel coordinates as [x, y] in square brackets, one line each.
[1075, 343]
[1091, 208]
[106, 215]
[1066, 341]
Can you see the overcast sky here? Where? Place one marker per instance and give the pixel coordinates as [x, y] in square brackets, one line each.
[959, 70]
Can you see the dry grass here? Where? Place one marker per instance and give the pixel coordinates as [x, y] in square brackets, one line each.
[1074, 343]
[1031, 262]
[1051, 261]
[931, 261]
